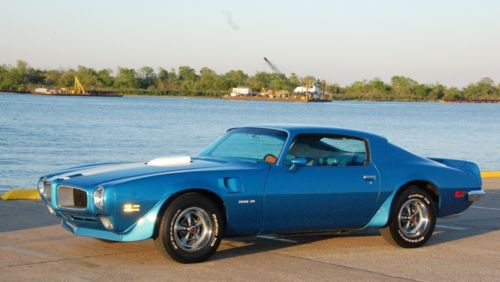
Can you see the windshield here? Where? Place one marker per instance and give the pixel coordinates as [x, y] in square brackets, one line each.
[250, 144]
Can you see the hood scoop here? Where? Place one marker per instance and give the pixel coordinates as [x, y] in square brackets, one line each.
[170, 161]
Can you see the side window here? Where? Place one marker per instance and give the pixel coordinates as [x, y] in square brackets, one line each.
[326, 150]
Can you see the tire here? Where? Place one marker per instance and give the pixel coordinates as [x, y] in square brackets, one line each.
[190, 229]
[412, 219]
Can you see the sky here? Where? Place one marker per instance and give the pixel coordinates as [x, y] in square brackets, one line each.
[451, 42]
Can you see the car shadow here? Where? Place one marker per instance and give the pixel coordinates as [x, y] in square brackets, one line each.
[445, 232]
[236, 247]
[19, 214]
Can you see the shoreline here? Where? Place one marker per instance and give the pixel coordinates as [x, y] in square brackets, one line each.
[264, 99]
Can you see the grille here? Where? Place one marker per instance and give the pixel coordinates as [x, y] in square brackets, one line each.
[47, 190]
[79, 198]
[70, 197]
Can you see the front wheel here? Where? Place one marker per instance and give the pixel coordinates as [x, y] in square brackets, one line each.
[412, 219]
[190, 229]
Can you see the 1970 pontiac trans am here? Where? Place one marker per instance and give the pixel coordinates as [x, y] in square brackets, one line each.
[269, 179]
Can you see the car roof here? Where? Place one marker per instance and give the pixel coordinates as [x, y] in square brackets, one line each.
[294, 129]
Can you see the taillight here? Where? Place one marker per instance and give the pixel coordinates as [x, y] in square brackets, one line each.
[459, 194]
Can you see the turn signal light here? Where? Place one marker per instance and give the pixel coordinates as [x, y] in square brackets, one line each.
[131, 208]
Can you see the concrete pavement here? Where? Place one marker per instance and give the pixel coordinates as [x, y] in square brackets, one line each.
[467, 247]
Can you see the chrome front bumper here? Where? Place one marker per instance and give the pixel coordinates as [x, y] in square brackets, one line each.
[475, 195]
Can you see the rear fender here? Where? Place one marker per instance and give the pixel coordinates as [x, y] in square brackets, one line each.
[381, 218]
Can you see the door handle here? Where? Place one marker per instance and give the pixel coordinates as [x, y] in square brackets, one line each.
[370, 177]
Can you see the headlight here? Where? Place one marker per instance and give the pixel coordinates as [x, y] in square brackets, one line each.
[41, 187]
[99, 197]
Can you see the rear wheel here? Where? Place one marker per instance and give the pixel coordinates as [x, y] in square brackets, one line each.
[190, 229]
[412, 219]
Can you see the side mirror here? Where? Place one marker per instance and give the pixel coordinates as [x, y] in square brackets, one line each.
[298, 162]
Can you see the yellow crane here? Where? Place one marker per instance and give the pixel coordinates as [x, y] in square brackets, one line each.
[79, 89]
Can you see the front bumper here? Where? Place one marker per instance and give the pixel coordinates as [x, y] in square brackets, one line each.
[87, 221]
[475, 195]
[142, 229]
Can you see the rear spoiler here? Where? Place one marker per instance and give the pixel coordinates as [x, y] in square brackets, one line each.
[465, 166]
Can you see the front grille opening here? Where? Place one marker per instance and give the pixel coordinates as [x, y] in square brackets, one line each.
[47, 190]
[69, 197]
[79, 198]
[81, 218]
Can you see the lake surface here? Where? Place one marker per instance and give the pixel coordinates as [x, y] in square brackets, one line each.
[41, 134]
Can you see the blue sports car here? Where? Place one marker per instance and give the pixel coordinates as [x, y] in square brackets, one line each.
[268, 179]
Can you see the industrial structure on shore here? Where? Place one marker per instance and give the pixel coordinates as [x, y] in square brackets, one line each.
[307, 92]
[78, 90]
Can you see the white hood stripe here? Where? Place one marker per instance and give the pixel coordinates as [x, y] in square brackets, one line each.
[170, 161]
[98, 170]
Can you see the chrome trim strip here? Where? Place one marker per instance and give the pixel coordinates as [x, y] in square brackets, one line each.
[47, 190]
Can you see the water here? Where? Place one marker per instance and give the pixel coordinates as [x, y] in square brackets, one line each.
[42, 134]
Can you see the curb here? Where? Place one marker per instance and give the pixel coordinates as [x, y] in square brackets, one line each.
[21, 194]
[490, 174]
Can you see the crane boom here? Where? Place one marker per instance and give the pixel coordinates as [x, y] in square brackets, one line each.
[79, 89]
[278, 71]
[272, 66]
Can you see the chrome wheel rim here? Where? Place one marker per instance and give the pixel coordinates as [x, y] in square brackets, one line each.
[413, 218]
[192, 229]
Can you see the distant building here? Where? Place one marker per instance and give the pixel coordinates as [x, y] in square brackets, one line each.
[42, 90]
[241, 91]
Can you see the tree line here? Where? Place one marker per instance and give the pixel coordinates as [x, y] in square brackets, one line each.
[186, 81]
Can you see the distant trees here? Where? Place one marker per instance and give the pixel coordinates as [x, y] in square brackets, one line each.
[18, 77]
[484, 89]
[403, 86]
[147, 78]
[374, 89]
[104, 78]
[126, 79]
[235, 78]
[207, 82]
